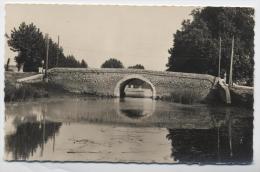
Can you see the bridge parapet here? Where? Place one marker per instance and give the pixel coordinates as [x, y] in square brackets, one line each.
[136, 71]
[108, 82]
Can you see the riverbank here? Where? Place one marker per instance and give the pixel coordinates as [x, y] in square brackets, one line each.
[242, 96]
[26, 91]
[15, 93]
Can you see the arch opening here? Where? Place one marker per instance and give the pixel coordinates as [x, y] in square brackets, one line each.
[135, 86]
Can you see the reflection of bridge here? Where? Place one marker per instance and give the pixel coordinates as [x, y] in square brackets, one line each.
[112, 82]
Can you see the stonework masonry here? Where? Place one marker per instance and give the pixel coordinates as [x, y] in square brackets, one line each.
[108, 82]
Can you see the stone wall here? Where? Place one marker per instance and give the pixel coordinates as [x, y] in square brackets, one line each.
[105, 82]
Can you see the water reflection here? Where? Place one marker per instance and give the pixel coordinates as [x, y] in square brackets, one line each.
[230, 141]
[28, 137]
[135, 108]
[128, 129]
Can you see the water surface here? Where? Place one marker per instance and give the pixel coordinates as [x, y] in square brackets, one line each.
[127, 130]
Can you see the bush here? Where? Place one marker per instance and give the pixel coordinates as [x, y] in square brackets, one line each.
[184, 96]
[26, 91]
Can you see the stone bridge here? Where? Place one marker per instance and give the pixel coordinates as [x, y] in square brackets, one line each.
[111, 82]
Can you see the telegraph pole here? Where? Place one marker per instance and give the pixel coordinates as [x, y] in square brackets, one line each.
[230, 83]
[219, 57]
[57, 62]
[47, 56]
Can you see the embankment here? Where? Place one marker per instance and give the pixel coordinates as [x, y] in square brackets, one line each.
[242, 96]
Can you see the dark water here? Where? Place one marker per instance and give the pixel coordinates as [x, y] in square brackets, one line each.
[127, 130]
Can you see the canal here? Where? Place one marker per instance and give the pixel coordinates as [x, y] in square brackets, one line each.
[72, 128]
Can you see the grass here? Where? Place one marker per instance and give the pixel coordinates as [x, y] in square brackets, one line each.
[184, 96]
[13, 76]
[23, 92]
[14, 92]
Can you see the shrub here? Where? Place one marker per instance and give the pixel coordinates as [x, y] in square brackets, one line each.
[26, 91]
[185, 96]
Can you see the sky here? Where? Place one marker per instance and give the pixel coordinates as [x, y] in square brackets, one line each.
[95, 33]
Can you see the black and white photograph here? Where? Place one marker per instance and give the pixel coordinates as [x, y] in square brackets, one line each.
[129, 84]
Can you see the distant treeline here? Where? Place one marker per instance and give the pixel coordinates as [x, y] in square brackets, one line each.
[115, 63]
[30, 44]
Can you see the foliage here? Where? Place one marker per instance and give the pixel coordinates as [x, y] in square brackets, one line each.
[70, 61]
[83, 64]
[184, 96]
[112, 63]
[25, 91]
[28, 41]
[196, 45]
[137, 66]
[13, 93]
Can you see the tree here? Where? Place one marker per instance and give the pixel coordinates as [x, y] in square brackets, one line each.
[112, 63]
[70, 61]
[28, 42]
[83, 64]
[137, 66]
[196, 44]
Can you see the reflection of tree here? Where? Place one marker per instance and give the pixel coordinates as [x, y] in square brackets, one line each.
[28, 137]
[215, 145]
[193, 145]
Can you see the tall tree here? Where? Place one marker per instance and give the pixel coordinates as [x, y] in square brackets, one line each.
[195, 45]
[28, 42]
[112, 63]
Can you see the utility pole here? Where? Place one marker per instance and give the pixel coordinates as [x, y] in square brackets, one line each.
[47, 56]
[230, 83]
[219, 57]
[57, 62]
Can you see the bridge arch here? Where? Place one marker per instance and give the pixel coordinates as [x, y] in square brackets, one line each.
[123, 82]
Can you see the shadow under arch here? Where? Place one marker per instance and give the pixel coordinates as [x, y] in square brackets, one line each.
[119, 88]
